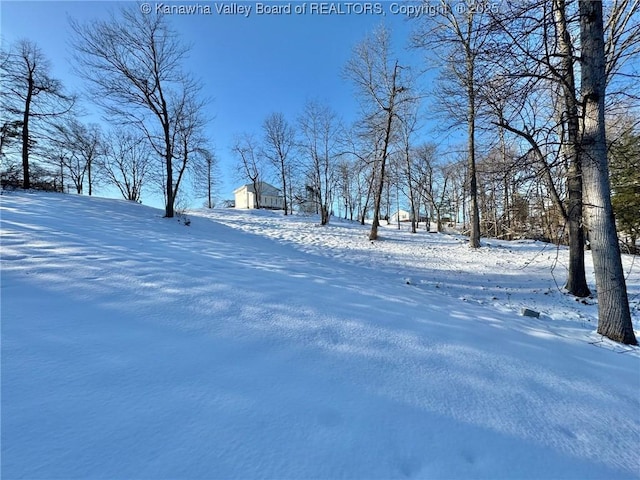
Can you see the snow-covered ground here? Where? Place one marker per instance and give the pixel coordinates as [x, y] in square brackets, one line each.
[253, 345]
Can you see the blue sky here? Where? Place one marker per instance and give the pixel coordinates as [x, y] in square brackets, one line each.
[250, 67]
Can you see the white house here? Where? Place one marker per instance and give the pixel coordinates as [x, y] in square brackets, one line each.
[400, 215]
[268, 195]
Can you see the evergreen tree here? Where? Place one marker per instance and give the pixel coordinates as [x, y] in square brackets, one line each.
[624, 164]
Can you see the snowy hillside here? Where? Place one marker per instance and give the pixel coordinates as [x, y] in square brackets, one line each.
[251, 345]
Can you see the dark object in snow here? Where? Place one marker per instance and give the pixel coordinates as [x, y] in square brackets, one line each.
[525, 312]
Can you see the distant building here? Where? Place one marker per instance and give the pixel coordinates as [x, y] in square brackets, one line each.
[400, 215]
[267, 195]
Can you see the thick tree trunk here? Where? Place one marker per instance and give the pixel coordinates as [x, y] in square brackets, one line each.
[614, 318]
[365, 207]
[373, 235]
[324, 215]
[169, 187]
[89, 178]
[168, 155]
[576, 279]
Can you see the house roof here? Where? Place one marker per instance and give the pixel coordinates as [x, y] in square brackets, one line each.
[265, 189]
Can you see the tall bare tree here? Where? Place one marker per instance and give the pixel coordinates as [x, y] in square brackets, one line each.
[279, 141]
[133, 65]
[206, 174]
[539, 53]
[29, 92]
[614, 318]
[538, 102]
[576, 280]
[434, 181]
[407, 129]
[320, 145]
[361, 153]
[458, 30]
[190, 140]
[380, 83]
[247, 151]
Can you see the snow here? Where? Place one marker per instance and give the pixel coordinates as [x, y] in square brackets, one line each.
[253, 345]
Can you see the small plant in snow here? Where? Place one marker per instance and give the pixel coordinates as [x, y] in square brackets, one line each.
[182, 218]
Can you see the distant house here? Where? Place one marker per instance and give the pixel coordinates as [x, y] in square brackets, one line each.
[267, 195]
[400, 215]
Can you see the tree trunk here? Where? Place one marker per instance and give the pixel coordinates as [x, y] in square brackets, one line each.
[474, 234]
[576, 279]
[614, 317]
[412, 193]
[170, 200]
[209, 166]
[373, 235]
[168, 156]
[365, 207]
[89, 178]
[284, 185]
[26, 182]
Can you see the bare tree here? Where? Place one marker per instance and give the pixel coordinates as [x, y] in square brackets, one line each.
[247, 151]
[278, 144]
[462, 34]
[408, 127]
[622, 47]
[133, 66]
[84, 146]
[320, 145]
[362, 152]
[576, 281]
[381, 86]
[206, 174]
[614, 318]
[538, 56]
[127, 163]
[433, 179]
[29, 93]
[351, 178]
[536, 78]
[189, 140]
[539, 45]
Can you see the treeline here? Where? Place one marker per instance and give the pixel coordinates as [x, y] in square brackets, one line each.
[522, 146]
[154, 130]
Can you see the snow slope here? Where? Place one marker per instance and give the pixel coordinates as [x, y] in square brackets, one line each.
[252, 345]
